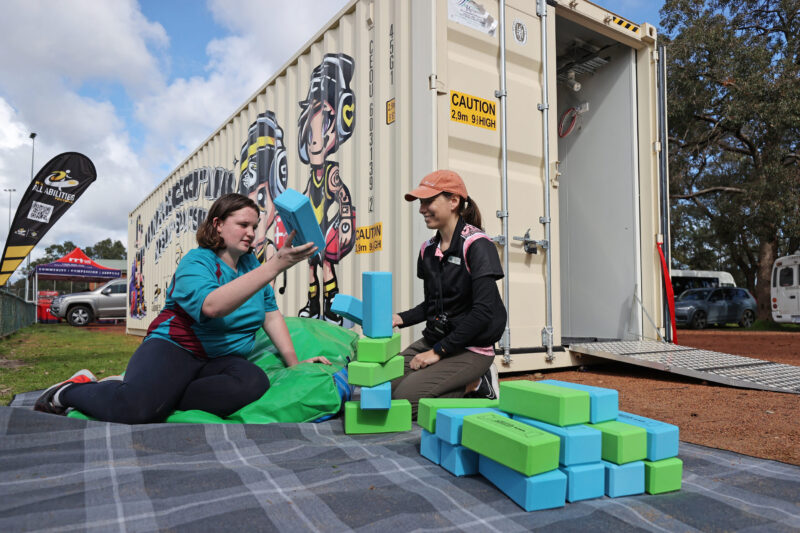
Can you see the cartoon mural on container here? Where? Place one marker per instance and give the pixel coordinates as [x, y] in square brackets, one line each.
[326, 121]
[137, 306]
[263, 176]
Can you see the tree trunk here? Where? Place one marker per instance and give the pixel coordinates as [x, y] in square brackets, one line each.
[767, 254]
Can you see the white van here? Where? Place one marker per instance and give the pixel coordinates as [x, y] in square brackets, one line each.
[785, 291]
[683, 280]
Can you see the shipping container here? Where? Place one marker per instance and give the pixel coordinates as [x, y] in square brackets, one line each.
[397, 89]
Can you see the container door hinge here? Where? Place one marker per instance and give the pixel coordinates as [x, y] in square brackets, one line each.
[435, 85]
[499, 239]
[657, 146]
[542, 107]
[655, 56]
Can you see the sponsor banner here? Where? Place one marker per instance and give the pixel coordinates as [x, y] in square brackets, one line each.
[53, 190]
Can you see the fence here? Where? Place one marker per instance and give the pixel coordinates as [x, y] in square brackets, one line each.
[15, 313]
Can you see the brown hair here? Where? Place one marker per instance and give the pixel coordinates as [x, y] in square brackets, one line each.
[468, 210]
[207, 236]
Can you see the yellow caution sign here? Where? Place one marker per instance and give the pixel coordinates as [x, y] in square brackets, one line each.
[390, 113]
[369, 238]
[472, 110]
[625, 24]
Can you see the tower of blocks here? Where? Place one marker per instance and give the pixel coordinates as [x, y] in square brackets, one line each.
[377, 360]
[549, 442]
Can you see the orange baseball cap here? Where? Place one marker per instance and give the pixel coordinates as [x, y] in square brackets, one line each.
[438, 182]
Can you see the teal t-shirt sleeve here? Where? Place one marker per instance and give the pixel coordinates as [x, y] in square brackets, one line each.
[194, 280]
[269, 299]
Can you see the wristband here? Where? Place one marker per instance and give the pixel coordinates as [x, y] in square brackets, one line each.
[438, 349]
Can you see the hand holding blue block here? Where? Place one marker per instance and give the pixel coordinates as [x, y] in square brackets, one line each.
[297, 214]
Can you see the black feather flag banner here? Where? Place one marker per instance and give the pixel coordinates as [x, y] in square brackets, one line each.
[54, 189]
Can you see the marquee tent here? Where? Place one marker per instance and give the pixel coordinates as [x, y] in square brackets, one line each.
[75, 266]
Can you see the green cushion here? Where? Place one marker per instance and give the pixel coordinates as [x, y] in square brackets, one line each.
[377, 350]
[371, 374]
[663, 476]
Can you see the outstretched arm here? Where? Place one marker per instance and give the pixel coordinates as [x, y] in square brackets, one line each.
[225, 299]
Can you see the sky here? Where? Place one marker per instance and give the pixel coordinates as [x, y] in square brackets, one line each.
[137, 86]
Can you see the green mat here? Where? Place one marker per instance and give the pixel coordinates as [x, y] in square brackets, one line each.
[303, 393]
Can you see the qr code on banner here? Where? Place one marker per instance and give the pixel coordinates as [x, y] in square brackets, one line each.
[40, 212]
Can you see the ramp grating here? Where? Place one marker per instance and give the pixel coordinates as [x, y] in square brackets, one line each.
[724, 368]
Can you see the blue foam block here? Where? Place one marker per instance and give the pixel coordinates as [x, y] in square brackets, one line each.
[542, 491]
[585, 482]
[662, 438]
[450, 421]
[579, 444]
[624, 480]
[458, 460]
[603, 403]
[297, 214]
[430, 447]
[376, 291]
[349, 307]
[377, 397]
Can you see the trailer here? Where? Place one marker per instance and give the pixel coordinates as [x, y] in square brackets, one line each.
[548, 110]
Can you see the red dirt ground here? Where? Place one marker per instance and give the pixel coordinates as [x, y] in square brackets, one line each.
[757, 423]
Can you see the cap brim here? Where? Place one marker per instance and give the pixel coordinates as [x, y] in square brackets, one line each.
[421, 192]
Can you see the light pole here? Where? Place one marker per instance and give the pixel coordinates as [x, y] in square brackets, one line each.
[33, 147]
[9, 191]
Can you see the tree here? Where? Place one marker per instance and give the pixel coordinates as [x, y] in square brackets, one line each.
[734, 127]
[105, 249]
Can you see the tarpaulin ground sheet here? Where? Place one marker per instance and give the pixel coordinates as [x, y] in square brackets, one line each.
[64, 474]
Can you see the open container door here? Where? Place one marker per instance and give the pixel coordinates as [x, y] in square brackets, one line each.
[608, 187]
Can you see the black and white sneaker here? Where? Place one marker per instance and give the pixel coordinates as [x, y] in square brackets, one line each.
[489, 385]
[48, 402]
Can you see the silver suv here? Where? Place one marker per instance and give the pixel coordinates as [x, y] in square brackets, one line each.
[80, 308]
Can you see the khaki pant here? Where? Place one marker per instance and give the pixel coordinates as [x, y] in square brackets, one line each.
[446, 378]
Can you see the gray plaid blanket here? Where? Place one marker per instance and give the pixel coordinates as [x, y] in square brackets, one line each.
[60, 474]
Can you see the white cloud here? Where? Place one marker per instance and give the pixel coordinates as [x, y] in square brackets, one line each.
[60, 47]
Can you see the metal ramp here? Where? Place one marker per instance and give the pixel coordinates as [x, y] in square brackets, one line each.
[718, 367]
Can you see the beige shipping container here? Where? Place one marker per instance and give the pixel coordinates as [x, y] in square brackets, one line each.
[396, 89]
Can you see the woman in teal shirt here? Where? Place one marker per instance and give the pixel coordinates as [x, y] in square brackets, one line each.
[193, 356]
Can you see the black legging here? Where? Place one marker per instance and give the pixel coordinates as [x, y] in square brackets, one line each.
[162, 377]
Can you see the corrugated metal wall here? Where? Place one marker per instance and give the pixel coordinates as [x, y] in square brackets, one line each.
[414, 64]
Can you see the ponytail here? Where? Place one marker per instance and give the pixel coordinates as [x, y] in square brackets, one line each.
[469, 211]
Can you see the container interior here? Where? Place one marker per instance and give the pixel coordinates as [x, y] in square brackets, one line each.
[597, 185]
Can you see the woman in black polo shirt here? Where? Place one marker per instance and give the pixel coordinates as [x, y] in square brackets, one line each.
[463, 313]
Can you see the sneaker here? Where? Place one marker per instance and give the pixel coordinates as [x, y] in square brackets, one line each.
[489, 385]
[48, 401]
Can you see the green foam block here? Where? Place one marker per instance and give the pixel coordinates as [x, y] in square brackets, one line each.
[396, 418]
[426, 411]
[371, 374]
[622, 443]
[377, 350]
[663, 476]
[555, 405]
[517, 445]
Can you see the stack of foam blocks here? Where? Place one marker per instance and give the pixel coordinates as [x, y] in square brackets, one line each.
[377, 360]
[549, 442]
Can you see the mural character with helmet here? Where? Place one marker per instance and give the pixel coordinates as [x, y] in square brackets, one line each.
[263, 173]
[326, 121]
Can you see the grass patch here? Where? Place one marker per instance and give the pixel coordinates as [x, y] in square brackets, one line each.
[38, 356]
[769, 325]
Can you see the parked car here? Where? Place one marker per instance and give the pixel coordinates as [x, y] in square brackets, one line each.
[81, 308]
[699, 307]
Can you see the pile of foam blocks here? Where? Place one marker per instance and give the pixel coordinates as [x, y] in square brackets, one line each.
[545, 443]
